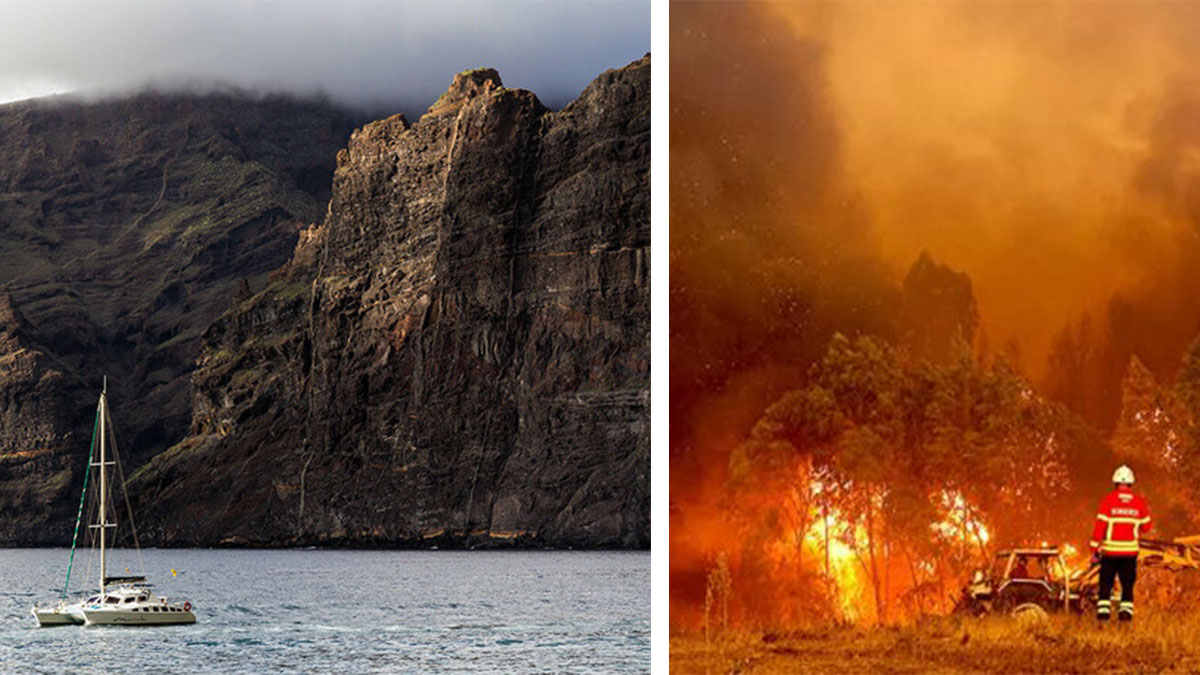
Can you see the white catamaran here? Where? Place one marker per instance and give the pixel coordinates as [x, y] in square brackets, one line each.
[122, 601]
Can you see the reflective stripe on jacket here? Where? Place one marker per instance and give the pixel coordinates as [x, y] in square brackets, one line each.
[1123, 517]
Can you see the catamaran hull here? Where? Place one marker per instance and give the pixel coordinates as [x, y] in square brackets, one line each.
[110, 617]
[57, 617]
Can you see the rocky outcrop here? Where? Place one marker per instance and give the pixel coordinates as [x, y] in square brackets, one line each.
[126, 228]
[938, 313]
[458, 355]
[37, 467]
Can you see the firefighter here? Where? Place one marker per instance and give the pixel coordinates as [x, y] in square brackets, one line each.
[1122, 518]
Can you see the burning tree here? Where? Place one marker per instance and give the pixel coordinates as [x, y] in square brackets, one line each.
[893, 474]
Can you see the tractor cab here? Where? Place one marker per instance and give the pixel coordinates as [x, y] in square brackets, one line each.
[1018, 580]
[1029, 565]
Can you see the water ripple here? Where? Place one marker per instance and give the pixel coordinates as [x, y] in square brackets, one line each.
[350, 611]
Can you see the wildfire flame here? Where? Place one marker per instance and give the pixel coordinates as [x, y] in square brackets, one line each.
[847, 570]
[843, 570]
[852, 566]
[960, 521]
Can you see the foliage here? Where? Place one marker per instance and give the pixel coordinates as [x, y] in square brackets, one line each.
[1151, 437]
[1187, 422]
[920, 463]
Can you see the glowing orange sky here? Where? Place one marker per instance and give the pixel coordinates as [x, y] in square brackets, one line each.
[1006, 138]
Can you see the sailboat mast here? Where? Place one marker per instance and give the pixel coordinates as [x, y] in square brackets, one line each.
[103, 480]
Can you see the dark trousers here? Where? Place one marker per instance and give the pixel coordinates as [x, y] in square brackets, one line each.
[1111, 568]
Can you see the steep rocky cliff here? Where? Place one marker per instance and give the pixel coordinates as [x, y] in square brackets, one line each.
[126, 227]
[39, 423]
[459, 353]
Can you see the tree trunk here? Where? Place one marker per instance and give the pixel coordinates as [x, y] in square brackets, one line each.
[887, 571]
[828, 574]
[963, 535]
[874, 560]
[912, 569]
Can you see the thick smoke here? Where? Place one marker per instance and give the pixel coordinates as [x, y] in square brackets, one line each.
[1046, 150]
[373, 55]
[758, 224]
[1036, 147]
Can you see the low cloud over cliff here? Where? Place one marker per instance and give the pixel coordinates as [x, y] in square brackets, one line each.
[368, 54]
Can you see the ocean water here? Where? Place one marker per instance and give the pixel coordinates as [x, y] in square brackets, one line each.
[346, 611]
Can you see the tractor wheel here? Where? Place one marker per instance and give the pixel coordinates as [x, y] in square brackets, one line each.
[1029, 612]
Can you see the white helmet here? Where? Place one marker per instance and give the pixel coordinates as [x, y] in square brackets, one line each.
[1123, 474]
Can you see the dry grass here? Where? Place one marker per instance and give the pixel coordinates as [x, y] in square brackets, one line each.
[1061, 644]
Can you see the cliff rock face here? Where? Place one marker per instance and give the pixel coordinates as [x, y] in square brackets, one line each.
[36, 468]
[458, 355]
[126, 228]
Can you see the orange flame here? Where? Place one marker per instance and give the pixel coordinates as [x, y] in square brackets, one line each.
[844, 573]
[960, 520]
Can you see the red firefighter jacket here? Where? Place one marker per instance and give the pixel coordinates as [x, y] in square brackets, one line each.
[1122, 518]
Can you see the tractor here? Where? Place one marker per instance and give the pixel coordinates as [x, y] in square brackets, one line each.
[1031, 582]
[1022, 582]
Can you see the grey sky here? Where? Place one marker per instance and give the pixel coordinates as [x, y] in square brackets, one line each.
[400, 55]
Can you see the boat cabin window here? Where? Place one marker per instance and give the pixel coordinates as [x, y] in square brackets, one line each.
[112, 600]
[93, 599]
[130, 599]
